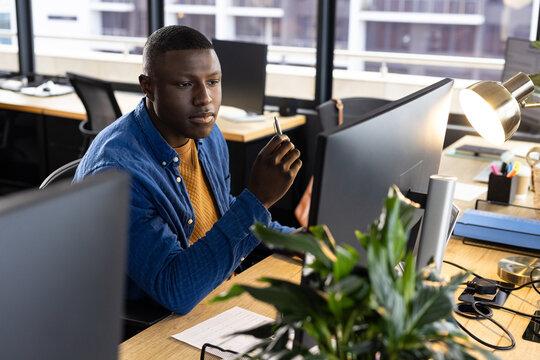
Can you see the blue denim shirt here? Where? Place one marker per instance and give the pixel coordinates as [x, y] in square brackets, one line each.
[161, 264]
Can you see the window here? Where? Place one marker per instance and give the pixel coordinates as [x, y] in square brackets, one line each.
[86, 29]
[8, 37]
[287, 26]
[367, 31]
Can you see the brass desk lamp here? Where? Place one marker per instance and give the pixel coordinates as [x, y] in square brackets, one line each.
[494, 110]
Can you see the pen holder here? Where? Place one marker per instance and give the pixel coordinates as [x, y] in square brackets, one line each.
[501, 188]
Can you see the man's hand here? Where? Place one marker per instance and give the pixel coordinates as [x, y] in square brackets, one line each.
[274, 170]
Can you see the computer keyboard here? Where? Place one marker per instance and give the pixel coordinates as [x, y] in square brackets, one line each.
[48, 88]
[244, 118]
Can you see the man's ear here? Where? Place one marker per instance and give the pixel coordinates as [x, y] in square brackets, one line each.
[146, 86]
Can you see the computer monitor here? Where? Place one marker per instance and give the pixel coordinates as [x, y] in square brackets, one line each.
[62, 269]
[522, 56]
[243, 67]
[399, 143]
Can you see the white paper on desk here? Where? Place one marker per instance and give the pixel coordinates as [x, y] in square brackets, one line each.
[217, 330]
[467, 192]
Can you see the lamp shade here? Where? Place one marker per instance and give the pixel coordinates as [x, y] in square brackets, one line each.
[493, 109]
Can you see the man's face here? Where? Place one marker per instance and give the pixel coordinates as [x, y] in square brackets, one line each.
[183, 95]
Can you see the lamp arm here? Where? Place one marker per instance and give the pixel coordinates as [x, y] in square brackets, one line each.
[535, 78]
[530, 105]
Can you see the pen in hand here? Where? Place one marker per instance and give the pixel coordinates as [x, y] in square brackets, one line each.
[277, 127]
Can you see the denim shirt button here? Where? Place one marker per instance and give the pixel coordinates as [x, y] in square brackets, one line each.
[190, 221]
[178, 179]
[175, 159]
[164, 163]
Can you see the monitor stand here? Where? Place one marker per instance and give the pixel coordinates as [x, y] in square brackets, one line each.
[440, 216]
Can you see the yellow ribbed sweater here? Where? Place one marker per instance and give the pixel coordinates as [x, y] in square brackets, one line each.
[198, 188]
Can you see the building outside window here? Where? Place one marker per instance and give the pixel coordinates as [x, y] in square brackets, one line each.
[287, 26]
[86, 26]
[462, 39]
[8, 40]
[446, 28]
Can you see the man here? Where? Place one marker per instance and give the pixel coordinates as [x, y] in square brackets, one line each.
[187, 233]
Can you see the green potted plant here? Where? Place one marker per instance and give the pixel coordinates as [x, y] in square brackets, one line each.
[360, 312]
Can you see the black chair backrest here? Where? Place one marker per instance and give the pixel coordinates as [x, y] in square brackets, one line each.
[5, 127]
[64, 172]
[353, 108]
[98, 99]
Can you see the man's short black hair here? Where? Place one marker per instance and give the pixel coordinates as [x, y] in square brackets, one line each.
[172, 37]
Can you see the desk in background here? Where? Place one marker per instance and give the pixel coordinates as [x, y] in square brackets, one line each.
[156, 342]
[57, 140]
[70, 107]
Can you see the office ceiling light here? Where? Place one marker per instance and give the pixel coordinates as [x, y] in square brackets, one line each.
[493, 109]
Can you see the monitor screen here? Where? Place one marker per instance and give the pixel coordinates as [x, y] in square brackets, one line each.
[522, 56]
[243, 67]
[62, 275]
[400, 143]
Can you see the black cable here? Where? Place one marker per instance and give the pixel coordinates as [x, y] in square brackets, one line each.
[465, 269]
[534, 318]
[489, 318]
[208, 345]
[494, 282]
[502, 287]
[532, 281]
[480, 314]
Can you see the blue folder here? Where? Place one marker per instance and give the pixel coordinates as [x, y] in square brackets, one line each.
[502, 229]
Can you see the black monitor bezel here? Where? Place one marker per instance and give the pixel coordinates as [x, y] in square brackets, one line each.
[322, 140]
[251, 51]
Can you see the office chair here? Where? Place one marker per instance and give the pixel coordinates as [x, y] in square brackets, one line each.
[17, 153]
[5, 126]
[100, 103]
[353, 108]
[64, 172]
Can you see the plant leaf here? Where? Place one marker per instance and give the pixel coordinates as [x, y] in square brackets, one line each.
[429, 304]
[260, 332]
[234, 291]
[345, 261]
[290, 298]
[407, 282]
[362, 238]
[322, 232]
[393, 234]
[296, 242]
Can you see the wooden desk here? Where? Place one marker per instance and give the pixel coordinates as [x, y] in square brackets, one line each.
[467, 168]
[69, 106]
[156, 342]
[484, 261]
[58, 140]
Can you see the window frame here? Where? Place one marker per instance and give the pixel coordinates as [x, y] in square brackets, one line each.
[324, 66]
